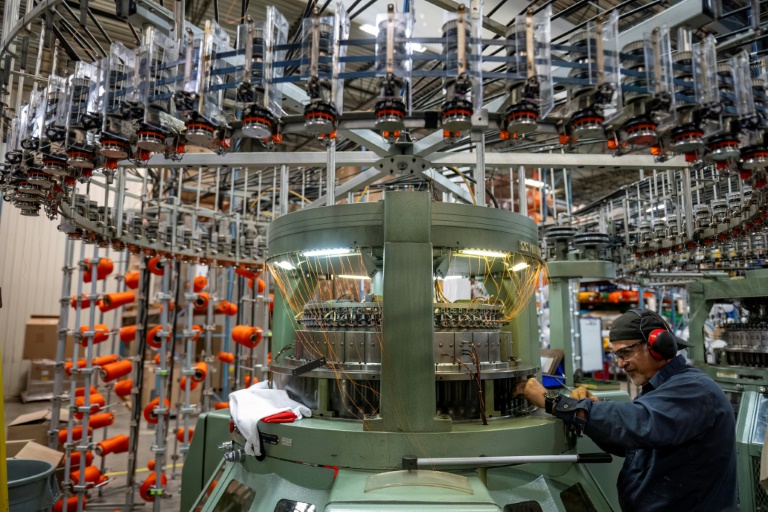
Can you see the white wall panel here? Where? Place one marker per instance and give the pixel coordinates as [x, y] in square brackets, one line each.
[31, 258]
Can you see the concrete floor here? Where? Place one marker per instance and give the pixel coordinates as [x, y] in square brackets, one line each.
[113, 494]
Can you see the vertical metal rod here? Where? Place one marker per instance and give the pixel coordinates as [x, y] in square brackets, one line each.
[258, 198]
[142, 303]
[73, 378]
[115, 322]
[189, 350]
[119, 200]
[511, 189]
[303, 187]
[161, 410]
[331, 174]
[85, 439]
[567, 188]
[284, 175]
[480, 168]
[522, 195]
[554, 196]
[61, 343]
[266, 344]
[687, 200]
[213, 293]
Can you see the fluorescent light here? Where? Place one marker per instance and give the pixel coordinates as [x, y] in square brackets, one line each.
[286, 265]
[448, 278]
[369, 29]
[344, 276]
[327, 252]
[480, 252]
[418, 48]
[534, 183]
[657, 207]
[520, 266]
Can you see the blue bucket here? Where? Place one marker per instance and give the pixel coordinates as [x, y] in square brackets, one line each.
[31, 485]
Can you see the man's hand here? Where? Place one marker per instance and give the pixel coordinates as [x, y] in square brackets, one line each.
[532, 390]
[581, 393]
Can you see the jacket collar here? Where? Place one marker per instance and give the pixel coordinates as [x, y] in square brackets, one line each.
[673, 367]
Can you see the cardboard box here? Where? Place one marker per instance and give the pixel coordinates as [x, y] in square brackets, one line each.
[40, 380]
[41, 336]
[30, 450]
[34, 426]
[42, 370]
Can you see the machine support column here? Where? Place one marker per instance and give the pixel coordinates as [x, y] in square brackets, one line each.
[560, 324]
[407, 361]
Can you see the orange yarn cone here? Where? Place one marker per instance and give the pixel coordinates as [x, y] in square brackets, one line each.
[74, 459]
[81, 363]
[71, 504]
[149, 413]
[220, 405]
[105, 360]
[226, 357]
[116, 444]
[114, 371]
[81, 391]
[151, 465]
[271, 302]
[104, 268]
[128, 333]
[198, 331]
[247, 335]
[115, 300]
[227, 308]
[192, 383]
[201, 302]
[149, 483]
[156, 267]
[153, 337]
[199, 283]
[201, 370]
[123, 388]
[97, 402]
[102, 420]
[132, 280]
[84, 303]
[261, 288]
[77, 434]
[247, 379]
[92, 475]
[180, 434]
[100, 335]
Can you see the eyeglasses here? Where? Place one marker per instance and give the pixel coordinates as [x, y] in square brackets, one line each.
[627, 352]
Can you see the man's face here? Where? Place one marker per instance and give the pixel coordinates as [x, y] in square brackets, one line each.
[637, 361]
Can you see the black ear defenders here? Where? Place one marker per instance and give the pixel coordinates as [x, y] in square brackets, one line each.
[661, 342]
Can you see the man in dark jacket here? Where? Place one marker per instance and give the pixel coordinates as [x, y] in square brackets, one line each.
[678, 437]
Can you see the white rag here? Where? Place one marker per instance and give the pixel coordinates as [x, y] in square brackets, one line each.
[249, 406]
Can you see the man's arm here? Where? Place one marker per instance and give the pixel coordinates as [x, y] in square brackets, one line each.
[665, 417]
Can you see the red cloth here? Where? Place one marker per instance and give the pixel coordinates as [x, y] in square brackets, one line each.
[280, 417]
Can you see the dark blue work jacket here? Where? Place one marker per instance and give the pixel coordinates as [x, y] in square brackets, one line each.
[678, 439]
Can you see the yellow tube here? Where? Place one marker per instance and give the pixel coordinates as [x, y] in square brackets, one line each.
[3, 467]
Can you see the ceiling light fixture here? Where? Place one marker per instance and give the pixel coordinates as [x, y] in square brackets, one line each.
[345, 276]
[481, 252]
[327, 252]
